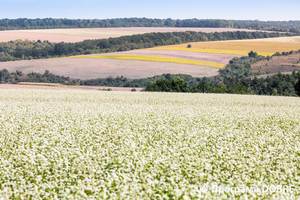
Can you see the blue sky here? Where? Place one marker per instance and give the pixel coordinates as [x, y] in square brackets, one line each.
[175, 9]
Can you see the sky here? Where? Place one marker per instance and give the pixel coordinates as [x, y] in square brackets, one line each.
[264, 10]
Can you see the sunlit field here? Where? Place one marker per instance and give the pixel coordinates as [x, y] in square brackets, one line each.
[294, 39]
[237, 47]
[117, 145]
[212, 51]
[155, 59]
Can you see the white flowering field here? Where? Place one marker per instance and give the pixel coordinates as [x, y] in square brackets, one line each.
[117, 145]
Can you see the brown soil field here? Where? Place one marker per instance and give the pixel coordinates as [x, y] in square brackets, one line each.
[278, 63]
[217, 58]
[40, 87]
[90, 68]
[80, 34]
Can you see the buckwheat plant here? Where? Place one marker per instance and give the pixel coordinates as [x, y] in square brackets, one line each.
[118, 145]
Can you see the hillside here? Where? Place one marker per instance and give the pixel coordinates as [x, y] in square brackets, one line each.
[283, 63]
[81, 34]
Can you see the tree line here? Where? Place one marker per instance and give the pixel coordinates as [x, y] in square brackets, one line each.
[279, 84]
[119, 81]
[26, 50]
[49, 23]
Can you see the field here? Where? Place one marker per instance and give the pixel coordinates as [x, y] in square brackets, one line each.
[47, 86]
[279, 63]
[295, 39]
[89, 68]
[80, 34]
[98, 145]
[155, 59]
[235, 47]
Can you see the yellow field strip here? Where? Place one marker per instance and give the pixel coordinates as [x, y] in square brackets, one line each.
[47, 84]
[155, 59]
[42, 84]
[214, 51]
[294, 39]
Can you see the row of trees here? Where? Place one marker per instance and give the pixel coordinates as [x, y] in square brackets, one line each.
[20, 50]
[49, 23]
[119, 81]
[279, 84]
[47, 77]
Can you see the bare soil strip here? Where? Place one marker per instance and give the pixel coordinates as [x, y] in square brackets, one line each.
[80, 34]
[40, 87]
[90, 68]
[207, 57]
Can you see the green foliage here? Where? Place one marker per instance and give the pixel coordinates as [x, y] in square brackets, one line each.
[297, 87]
[286, 53]
[48, 23]
[26, 50]
[170, 85]
[279, 84]
[47, 77]
[240, 67]
[252, 54]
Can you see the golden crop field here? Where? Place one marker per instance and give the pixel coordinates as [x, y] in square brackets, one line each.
[213, 51]
[155, 59]
[235, 47]
[295, 39]
[43, 84]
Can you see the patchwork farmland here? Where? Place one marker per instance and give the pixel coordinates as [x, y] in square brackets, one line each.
[202, 59]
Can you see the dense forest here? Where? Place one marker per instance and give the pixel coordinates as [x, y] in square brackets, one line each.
[279, 84]
[49, 23]
[26, 50]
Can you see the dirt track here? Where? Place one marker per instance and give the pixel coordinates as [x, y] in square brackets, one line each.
[40, 87]
[76, 35]
[89, 68]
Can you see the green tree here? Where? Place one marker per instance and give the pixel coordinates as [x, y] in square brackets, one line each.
[297, 88]
[252, 54]
[171, 85]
